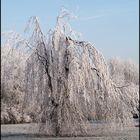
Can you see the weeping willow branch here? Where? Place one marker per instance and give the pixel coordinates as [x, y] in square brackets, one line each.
[122, 86]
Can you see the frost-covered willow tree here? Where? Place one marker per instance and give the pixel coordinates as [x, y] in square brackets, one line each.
[68, 82]
[125, 73]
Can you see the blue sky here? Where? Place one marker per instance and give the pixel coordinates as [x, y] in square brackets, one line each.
[112, 25]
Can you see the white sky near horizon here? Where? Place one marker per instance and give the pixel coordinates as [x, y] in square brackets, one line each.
[112, 25]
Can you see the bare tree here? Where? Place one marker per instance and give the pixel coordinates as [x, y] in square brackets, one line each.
[125, 74]
[13, 59]
[69, 82]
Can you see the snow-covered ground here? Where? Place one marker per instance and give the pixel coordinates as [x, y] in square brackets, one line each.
[29, 131]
